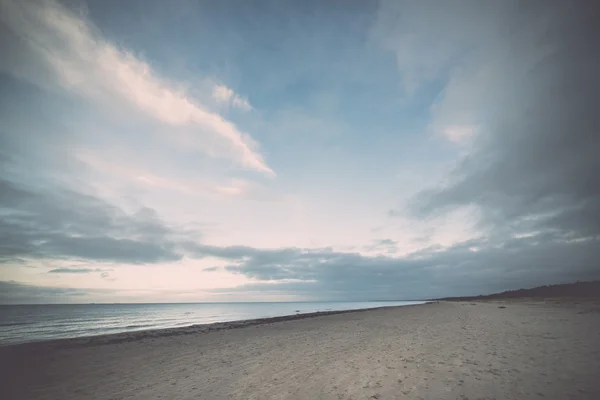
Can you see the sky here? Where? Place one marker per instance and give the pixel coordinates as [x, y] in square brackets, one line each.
[179, 151]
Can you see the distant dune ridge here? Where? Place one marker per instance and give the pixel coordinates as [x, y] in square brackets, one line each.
[589, 289]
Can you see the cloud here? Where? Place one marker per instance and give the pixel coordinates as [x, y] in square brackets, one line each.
[517, 84]
[13, 292]
[121, 171]
[386, 242]
[475, 50]
[62, 225]
[459, 134]
[70, 49]
[388, 246]
[472, 267]
[227, 97]
[459, 114]
[533, 167]
[427, 39]
[78, 271]
[475, 266]
[59, 223]
[525, 94]
[521, 84]
[18, 293]
[522, 91]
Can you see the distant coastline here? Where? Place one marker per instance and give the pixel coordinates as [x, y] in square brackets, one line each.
[588, 289]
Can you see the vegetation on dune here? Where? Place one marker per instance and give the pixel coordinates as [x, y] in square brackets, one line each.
[577, 289]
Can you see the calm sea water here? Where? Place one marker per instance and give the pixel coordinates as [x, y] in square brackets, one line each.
[29, 323]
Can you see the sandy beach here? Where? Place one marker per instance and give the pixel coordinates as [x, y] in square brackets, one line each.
[448, 350]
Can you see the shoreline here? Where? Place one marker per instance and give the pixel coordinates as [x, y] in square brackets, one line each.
[451, 350]
[129, 336]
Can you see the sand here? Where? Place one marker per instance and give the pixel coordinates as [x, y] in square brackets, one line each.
[447, 350]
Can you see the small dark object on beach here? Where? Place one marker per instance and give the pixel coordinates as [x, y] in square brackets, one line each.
[501, 307]
[473, 304]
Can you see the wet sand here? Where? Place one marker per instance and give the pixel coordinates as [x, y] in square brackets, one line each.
[449, 350]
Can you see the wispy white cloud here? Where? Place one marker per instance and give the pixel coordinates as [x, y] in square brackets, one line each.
[459, 134]
[227, 97]
[130, 175]
[85, 63]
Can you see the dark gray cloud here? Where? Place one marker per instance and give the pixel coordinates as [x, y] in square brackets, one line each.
[59, 223]
[16, 293]
[533, 171]
[78, 271]
[534, 166]
[12, 292]
[473, 267]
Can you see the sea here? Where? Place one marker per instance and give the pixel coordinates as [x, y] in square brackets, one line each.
[32, 323]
